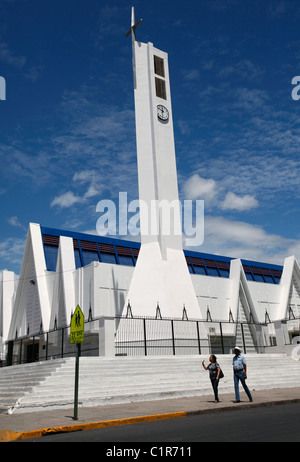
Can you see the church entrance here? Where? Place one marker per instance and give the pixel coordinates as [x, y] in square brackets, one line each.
[32, 352]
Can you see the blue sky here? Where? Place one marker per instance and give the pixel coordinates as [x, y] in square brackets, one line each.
[67, 133]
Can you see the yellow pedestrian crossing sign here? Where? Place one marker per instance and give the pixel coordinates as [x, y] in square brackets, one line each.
[77, 326]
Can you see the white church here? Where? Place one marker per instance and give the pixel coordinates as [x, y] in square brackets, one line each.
[222, 300]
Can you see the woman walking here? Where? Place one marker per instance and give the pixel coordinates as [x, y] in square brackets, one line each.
[214, 374]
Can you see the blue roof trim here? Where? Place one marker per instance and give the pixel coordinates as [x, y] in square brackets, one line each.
[137, 245]
[209, 256]
[90, 237]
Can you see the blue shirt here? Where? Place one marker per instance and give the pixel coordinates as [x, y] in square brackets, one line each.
[238, 363]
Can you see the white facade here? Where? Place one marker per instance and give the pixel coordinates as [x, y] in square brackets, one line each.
[42, 299]
[8, 284]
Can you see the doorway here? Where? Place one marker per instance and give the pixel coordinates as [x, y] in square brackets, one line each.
[32, 352]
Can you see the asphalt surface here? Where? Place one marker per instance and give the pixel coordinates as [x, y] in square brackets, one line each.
[279, 423]
[20, 426]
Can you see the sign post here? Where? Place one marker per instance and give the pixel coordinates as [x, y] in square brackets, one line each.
[76, 336]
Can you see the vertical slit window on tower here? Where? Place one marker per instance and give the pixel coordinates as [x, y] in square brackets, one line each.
[159, 67]
[160, 86]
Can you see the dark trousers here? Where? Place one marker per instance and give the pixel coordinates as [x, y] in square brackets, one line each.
[215, 384]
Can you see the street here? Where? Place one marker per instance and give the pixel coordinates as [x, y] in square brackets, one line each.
[280, 423]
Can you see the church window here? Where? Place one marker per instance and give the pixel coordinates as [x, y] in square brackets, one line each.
[223, 269]
[211, 268]
[89, 256]
[107, 253]
[199, 270]
[108, 258]
[277, 276]
[51, 253]
[159, 67]
[125, 260]
[258, 277]
[124, 256]
[77, 258]
[160, 86]
[89, 252]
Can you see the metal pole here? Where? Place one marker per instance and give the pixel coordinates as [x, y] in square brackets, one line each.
[145, 338]
[222, 340]
[20, 357]
[32, 355]
[173, 339]
[62, 342]
[78, 351]
[243, 336]
[198, 336]
[47, 346]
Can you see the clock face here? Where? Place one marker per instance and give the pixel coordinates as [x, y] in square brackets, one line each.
[162, 112]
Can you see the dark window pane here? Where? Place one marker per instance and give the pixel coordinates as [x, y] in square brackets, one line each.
[90, 256]
[77, 258]
[212, 272]
[51, 257]
[268, 279]
[125, 260]
[160, 86]
[159, 67]
[108, 258]
[199, 270]
[224, 273]
[258, 278]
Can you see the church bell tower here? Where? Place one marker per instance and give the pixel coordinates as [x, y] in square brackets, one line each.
[161, 274]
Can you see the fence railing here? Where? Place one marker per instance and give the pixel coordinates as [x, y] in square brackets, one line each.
[148, 336]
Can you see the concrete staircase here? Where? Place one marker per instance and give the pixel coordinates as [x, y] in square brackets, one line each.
[50, 384]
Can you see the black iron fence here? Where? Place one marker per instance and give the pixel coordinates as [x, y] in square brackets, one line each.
[186, 337]
[150, 336]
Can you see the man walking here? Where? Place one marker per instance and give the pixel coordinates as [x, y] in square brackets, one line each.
[240, 374]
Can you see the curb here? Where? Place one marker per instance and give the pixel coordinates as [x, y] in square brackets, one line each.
[7, 435]
[10, 436]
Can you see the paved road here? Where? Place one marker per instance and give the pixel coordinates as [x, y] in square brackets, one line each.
[280, 423]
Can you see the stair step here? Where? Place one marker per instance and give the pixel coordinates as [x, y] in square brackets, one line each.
[123, 379]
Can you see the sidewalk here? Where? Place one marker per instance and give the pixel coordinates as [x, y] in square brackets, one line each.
[35, 424]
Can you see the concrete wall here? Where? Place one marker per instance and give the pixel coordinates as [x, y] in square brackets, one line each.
[41, 297]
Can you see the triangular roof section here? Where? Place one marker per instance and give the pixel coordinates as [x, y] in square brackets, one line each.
[290, 279]
[32, 288]
[63, 301]
[240, 291]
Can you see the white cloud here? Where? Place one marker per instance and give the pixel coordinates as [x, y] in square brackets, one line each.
[12, 251]
[91, 192]
[197, 187]
[192, 74]
[210, 191]
[245, 69]
[66, 200]
[14, 221]
[8, 57]
[240, 203]
[243, 240]
[84, 175]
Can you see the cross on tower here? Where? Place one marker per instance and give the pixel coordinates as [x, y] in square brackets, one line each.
[131, 31]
